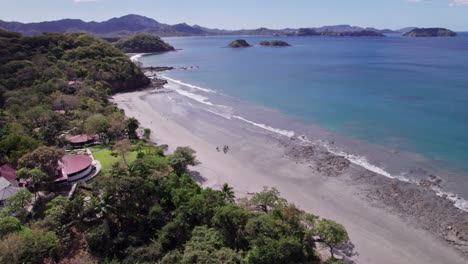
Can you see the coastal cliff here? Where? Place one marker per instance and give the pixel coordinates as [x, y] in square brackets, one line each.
[430, 32]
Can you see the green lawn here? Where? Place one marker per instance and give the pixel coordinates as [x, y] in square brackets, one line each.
[104, 156]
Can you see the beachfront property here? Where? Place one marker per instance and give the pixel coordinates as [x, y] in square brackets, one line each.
[72, 168]
[80, 141]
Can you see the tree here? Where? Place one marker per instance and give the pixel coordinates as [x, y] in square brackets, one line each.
[123, 146]
[34, 176]
[286, 249]
[228, 193]
[66, 102]
[331, 234]
[37, 245]
[182, 158]
[132, 126]
[230, 220]
[147, 134]
[14, 145]
[62, 211]
[267, 199]
[17, 203]
[97, 124]
[206, 246]
[9, 225]
[45, 158]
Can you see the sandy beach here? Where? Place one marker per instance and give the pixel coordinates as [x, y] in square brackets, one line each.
[380, 230]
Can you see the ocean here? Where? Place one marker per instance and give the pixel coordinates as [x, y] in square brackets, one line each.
[396, 105]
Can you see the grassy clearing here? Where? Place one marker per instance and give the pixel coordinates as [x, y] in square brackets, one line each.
[104, 155]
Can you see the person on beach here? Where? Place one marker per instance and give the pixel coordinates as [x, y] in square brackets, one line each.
[217, 149]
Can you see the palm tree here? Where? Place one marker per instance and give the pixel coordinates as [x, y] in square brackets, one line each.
[228, 193]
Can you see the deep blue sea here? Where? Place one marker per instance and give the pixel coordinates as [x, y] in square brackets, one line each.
[408, 94]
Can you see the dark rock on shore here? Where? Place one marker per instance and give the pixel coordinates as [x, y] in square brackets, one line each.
[239, 43]
[274, 43]
[418, 203]
[430, 32]
[157, 69]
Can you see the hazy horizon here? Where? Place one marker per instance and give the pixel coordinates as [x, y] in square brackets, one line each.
[392, 14]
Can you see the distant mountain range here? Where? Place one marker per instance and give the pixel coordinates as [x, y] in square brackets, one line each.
[129, 24]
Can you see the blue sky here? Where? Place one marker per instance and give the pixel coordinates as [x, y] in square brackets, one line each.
[238, 14]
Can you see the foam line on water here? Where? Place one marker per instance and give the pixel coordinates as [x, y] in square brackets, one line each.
[199, 98]
[457, 201]
[188, 84]
[286, 133]
[363, 162]
[136, 57]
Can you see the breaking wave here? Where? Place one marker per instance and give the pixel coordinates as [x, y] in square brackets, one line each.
[188, 85]
[286, 133]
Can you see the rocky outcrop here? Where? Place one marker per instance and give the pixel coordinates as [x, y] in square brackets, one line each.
[430, 32]
[239, 43]
[274, 43]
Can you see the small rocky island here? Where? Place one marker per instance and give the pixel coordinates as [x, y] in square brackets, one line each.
[430, 32]
[274, 43]
[239, 43]
[143, 43]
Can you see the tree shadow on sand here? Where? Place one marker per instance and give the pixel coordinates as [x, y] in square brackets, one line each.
[346, 251]
[197, 177]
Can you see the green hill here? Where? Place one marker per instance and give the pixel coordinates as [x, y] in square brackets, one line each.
[143, 43]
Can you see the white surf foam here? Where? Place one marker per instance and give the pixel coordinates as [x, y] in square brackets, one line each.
[363, 162]
[286, 133]
[136, 57]
[458, 202]
[199, 98]
[188, 84]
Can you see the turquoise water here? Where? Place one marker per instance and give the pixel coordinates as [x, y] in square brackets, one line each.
[404, 93]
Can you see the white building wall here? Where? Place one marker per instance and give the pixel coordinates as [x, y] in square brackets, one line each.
[81, 175]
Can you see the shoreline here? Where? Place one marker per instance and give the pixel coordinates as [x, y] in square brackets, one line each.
[405, 166]
[259, 158]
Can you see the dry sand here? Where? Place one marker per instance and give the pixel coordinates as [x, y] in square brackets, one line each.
[256, 159]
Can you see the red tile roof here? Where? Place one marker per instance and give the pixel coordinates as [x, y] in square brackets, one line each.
[8, 172]
[75, 163]
[80, 139]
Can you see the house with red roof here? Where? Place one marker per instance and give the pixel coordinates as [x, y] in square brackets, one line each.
[74, 168]
[80, 141]
[8, 172]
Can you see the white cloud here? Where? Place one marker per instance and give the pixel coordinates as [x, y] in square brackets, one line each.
[83, 1]
[458, 2]
[451, 2]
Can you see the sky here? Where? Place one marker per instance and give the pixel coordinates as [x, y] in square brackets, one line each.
[239, 14]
